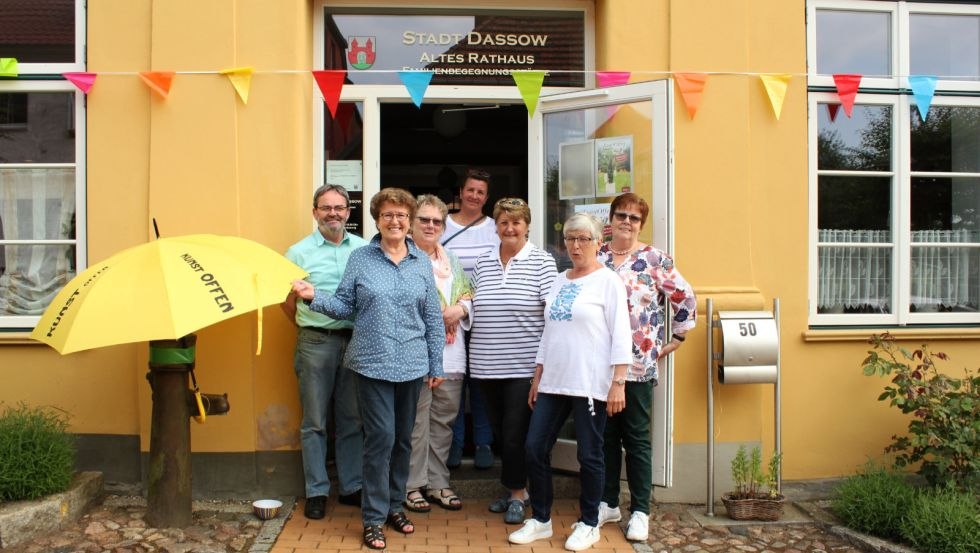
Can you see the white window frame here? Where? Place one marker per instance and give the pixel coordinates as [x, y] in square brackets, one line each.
[57, 84]
[900, 173]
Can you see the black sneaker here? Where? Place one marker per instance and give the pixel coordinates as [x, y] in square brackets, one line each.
[352, 499]
[316, 507]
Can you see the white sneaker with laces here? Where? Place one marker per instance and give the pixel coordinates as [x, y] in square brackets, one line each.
[583, 537]
[532, 530]
[608, 514]
[638, 528]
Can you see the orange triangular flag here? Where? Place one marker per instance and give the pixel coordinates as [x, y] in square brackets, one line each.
[241, 79]
[847, 89]
[158, 81]
[330, 84]
[691, 86]
[776, 89]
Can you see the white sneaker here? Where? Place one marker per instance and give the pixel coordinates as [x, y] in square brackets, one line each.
[608, 514]
[583, 537]
[532, 530]
[638, 528]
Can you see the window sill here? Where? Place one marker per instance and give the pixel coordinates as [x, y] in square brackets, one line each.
[18, 337]
[862, 334]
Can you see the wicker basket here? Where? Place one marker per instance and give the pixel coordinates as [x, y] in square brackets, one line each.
[762, 508]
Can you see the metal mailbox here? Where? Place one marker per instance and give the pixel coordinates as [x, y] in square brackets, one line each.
[750, 347]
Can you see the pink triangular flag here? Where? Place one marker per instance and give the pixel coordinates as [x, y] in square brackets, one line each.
[82, 80]
[330, 84]
[847, 89]
[691, 85]
[158, 81]
[832, 110]
[611, 78]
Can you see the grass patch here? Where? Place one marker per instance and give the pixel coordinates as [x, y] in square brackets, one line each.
[37, 454]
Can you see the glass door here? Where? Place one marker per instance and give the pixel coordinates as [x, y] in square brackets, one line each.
[590, 146]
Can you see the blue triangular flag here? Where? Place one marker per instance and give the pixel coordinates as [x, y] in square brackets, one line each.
[416, 82]
[923, 88]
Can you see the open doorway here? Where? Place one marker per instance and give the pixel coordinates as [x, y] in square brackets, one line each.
[427, 150]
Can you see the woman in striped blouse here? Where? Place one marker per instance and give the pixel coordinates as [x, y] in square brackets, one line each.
[512, 282]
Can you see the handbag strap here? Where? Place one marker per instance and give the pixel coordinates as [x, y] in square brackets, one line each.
[462, 230]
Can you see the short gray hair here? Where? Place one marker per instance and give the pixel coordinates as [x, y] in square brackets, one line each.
[584, 221]
[434, 201]
[330, 187]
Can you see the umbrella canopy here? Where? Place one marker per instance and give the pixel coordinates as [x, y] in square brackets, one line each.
[165, 289]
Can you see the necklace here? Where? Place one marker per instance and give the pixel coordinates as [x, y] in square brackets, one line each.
[620, 252]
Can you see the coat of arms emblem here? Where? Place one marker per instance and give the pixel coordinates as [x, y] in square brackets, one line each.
[361, 51]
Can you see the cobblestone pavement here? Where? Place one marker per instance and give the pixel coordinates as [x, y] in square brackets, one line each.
[117, 525]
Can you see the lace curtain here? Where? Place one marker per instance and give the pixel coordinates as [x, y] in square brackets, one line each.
[35, 204]
[860, 277]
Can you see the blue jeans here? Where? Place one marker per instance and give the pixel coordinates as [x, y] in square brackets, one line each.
[319, 366]
[388, 412]
[482, 433]
[550, 412]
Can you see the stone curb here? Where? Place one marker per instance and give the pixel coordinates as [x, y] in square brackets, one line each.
[271, 528]
[20, 521]
[818, 511]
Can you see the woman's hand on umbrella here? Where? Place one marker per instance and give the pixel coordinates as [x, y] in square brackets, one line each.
[303, 289]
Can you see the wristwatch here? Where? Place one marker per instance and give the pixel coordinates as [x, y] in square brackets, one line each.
[620, 381]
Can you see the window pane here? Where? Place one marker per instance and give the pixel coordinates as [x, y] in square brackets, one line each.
[947, 46]
[945, 209]
[854, 42]
[854, 279]
[945, 279]
[44, 133]
[37, 204]
[343, 153]
[862, 142]
[948, 141]
[854, 209]
[38, 31]
[30, 276]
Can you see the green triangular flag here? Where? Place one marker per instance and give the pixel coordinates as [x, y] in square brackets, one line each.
[529, 83]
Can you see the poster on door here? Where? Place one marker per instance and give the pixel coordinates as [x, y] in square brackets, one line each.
[613, 165]
[576, 171]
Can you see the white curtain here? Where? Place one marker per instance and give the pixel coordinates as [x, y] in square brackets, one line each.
[35, 204]
[860, 277]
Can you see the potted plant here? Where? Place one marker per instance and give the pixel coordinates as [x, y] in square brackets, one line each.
[756, 496]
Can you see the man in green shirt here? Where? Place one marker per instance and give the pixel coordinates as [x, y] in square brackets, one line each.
[319, 360]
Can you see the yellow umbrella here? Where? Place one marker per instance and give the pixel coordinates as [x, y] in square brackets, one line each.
[165, 289]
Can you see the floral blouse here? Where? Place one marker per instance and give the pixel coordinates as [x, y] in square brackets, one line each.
[650, 277]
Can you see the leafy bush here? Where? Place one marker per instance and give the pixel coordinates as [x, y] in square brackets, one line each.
[874, 501]
[944, 433]
[943, 521]
[37, 454]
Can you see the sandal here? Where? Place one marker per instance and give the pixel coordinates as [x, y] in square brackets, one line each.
[450, 502]
[373, 535]
[416, 503]
[400, 522]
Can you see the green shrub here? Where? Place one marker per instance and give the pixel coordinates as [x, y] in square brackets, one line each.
[944, 430]
[943, 521]
[37, 454]
[874, 501]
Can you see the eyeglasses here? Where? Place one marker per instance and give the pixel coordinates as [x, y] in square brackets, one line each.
[622, 216]
[580, 240]
[513, 202]
[429, 221]
[400, 216]
[329, 208]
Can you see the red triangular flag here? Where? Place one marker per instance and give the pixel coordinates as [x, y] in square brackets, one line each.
[691, 85]
[847, 89]
[832, 110]
[158, 81]
[83, 81]
[330, 84]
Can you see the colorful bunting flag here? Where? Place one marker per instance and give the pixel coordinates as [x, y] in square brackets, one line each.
[832, 110]
[241, 79]
[529, 84]
[691, 86]
[923, 89]
[8, 67]
[330, 84]
[416, 82]
[611, 78]
[82, 80]
[847, 89]
[158, 81]
[775, 86]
